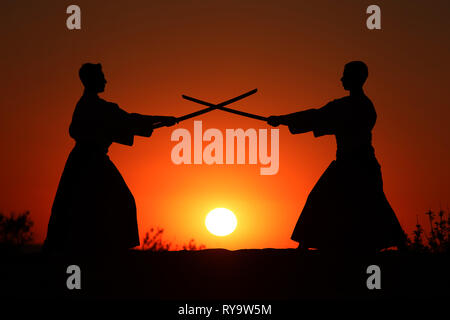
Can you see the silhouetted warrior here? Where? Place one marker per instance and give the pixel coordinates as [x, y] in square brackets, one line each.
[93, 208]
[347, 208]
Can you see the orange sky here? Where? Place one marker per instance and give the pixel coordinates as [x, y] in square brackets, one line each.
[292, 51]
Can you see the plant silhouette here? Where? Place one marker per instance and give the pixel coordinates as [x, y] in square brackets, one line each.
[437, 240]
[153, 241]
[15, 230]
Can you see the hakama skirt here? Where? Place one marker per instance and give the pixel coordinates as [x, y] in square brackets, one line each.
[93, 208]
[347, 208]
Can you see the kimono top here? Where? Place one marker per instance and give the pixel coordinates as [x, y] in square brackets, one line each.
[351, 119]
[98, 123]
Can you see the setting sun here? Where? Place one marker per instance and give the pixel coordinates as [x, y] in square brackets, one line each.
[221, 222]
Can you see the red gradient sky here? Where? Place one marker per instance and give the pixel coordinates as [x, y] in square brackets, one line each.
[292, 51]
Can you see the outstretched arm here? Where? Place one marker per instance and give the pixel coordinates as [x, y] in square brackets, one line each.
[298, 122]
[143, 125]
[123, 126]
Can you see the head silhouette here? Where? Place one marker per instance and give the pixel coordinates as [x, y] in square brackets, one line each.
[92, 77]
[354, 76]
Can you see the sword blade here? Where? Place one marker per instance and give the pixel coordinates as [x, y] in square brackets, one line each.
[221, 106]
[212, 106]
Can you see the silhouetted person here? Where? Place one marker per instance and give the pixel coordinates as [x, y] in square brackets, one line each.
[347, 208]
[93, 209]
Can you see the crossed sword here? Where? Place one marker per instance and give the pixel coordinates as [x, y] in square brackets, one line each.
[220, 106]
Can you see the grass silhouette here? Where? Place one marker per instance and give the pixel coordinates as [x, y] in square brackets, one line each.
[153, 241]
[437, 240]
[421, 272]
[15, 230]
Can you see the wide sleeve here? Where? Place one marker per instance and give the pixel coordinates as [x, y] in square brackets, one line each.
[124, 126]
[320, 121]
[329, 119]
[301, 122]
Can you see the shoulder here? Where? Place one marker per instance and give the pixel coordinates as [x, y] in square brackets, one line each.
[108, 104]
[339, 102]
[356, 102]
[342, 100]
[364, 103]
[335, 104]
[89, 101]
[365, 99]
[110, 108]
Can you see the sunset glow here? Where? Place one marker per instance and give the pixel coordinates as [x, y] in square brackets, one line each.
[293, 52]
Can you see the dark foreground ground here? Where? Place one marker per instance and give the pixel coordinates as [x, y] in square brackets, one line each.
[217, 274]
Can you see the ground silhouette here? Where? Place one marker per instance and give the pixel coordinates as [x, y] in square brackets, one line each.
[218, 274]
